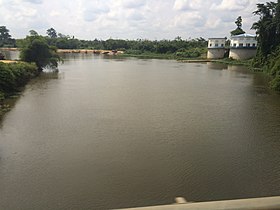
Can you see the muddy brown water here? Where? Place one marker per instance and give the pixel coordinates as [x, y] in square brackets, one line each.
[112, 133]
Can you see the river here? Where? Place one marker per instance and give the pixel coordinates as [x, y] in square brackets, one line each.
[112, 133]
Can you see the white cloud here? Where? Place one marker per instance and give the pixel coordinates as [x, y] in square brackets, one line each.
[187, 4]
[128, 19]
[133, 3]
[231, 5]
[188, 19]
[34, 1]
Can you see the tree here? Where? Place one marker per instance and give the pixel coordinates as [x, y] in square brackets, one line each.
[238, 22]
[238, 30]
[33, 33]
[35, 49]
[5, 37]
[277, 22]
[266, 28]
[268, 36]
[52, 33]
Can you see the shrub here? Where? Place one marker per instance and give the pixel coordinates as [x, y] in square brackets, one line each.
[7, 78]
[15, 75]
[275, 83]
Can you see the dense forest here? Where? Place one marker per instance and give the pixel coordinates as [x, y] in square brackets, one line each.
[268, 36]
[178, 47]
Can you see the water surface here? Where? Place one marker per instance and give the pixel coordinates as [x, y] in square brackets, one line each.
[114, 133]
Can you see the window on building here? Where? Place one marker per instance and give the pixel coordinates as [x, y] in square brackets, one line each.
[234, 44]
[216, 45]
[210, 45]
[248, 45]
[254, 45]
[222, 45]
[240, 44]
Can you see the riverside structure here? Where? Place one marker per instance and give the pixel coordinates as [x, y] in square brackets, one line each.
[216, 48]
[242, 47]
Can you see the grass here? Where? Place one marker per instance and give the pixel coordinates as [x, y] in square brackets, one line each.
[234, 62]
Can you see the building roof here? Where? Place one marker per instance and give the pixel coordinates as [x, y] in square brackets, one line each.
[244, 35]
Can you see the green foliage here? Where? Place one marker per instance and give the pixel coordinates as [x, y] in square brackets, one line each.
[2, 97]
[23, 72]
[238, 30]
[15, 75]
[5, 38]
[52, 33]
[7, 78]
[12, 77]
[238, 22]
[139, 46]
[177, 47]
[191, 53]
[232, 61]
[268, 31]
[35, 49]
[275, 83]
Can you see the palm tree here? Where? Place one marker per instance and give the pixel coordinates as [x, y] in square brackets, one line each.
[266, 28]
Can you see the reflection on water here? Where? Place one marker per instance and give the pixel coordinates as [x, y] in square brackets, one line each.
[105, 133]
[216, 66]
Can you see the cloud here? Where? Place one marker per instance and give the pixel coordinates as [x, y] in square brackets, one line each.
[231, 5]
[188, 19]
[128, 19]
[183, 5]
[133, 3]
[92, 10]
[34, 1]
[135, 16]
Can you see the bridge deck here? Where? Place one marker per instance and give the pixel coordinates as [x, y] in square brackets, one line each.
[265, 203]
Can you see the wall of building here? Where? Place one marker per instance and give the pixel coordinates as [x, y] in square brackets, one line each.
[243, 42]
[216, 43]
[215, 53]
[242, 53]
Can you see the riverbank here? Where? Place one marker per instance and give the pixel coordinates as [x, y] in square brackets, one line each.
[13, 76]
[167, 56]
[230, 61]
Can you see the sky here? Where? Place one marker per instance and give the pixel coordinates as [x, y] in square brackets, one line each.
[127, 19]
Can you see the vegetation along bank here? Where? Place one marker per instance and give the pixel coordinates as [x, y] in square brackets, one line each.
[13, 76]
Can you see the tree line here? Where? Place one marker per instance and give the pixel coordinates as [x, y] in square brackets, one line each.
[178, 46]
[268, 37]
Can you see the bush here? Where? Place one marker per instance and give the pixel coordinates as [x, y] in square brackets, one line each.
[2, 97]
[134, 52]
[7, 78]
[191, 53]
[15, 75]
[23, 72]
[275, 83]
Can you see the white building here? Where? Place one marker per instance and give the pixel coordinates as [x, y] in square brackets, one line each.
[216, 48]
[243, 46]
[216, 42]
